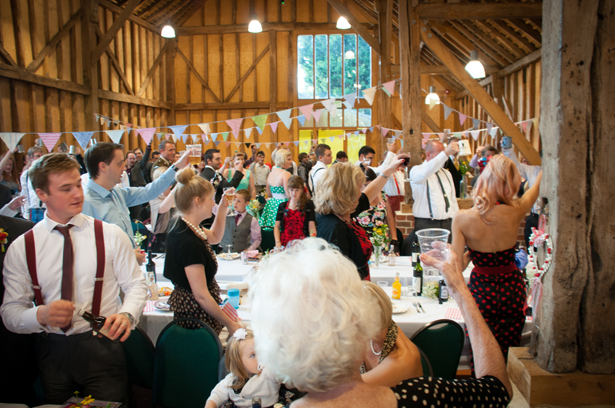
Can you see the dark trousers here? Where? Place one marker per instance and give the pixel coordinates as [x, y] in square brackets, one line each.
[421, 224]
[530, 221]
[19, 369]
[135, 213]
[84, 363]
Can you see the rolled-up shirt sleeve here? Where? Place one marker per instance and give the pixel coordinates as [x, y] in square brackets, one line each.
[255, 233]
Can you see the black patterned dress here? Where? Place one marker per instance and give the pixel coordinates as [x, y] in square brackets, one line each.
[185, 248]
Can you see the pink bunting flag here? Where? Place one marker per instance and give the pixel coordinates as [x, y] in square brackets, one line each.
[369, 94]
[204, 137]
[50, 139]
[235, 124]
[285, 144]
[424, 143]
[524, 126]
[489, 126]
[390, 87]
[317, 114]
[227, 144]
[462, 118]
[426, 136]
[384, 131]
[307, 111]
[146, 134]
[274, 126]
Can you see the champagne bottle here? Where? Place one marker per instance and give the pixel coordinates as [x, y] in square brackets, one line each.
[150, 267]
[152, 287]
[96, 322]
[256, 402]
[442, 292]
[396, 287]
[416, 251]
[417, 279]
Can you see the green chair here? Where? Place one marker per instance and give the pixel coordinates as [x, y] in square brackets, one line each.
[139, 352]
[442, 342]
[268, 240]
[186, 365]
[427, 370]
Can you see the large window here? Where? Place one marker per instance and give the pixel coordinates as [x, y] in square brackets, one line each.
[330, 66]
[350, 145]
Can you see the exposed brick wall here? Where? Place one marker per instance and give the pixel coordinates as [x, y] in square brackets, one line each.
[405, 223]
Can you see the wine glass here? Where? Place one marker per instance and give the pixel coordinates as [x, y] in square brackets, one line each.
[229, 194]
[228, 258]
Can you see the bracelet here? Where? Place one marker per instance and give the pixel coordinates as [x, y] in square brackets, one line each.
[382, 175]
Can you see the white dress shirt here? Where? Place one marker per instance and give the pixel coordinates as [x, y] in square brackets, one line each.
[32, 200]
[260, 173]
[121, 271]
[391, 189]
[263, 385]
[390, 157]
[428, 172]
[527, 171]
[316, 173]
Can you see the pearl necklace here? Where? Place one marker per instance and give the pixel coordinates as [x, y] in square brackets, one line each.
[196, 230]
[371, 343]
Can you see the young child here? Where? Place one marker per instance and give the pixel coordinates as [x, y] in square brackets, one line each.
[241, 230]
[295, 218]
[246, 379]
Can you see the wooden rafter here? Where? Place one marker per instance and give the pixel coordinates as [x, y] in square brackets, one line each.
[150, 73]
[243, 28]
[528, 30]
[14, 72]
[522, 36]
[430, 122]
[501, 61]
[356, 24]
[481, 96]
[113, 30]
[115, 63]
[117, 10]
[188, 12]
[479, 11]
[515, 50]
[198, 76]
[53, 43]
[247, 73]
[486, 39]
[119, 97]
[7, 56]
[517, 38]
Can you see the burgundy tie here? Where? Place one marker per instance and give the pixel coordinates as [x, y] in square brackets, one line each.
[67, 267]
[237, 218]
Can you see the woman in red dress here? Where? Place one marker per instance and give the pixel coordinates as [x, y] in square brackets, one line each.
[295, 218]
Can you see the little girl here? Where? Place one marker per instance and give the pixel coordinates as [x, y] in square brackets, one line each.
[296, 218]
[246, 379]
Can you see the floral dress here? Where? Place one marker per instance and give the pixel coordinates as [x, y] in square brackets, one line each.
[270, 211]
[375, 216]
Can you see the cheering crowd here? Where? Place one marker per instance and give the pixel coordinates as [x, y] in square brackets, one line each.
[317, 327]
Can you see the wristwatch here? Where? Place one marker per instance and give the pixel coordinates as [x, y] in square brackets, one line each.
[174, 167]
[129, 316]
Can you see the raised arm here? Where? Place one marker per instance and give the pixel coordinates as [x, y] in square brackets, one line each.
[422, 172]
[375, 187]
[146, 154]
[530, 196]
[215, 234]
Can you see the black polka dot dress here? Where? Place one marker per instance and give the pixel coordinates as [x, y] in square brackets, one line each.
[499, 291]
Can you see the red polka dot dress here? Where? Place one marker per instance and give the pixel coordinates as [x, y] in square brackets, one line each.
[499, 291]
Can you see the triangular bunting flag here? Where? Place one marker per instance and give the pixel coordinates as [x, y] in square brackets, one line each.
[178, 130]
[476, 123]
[447, 111]
[267, 145]
[296, 143]
[214, 136]
[83, 138]
[204, 137]
[274, 126]
[524, 126]
[489, 126]
[285, 144]
[115, 135]
[235, 124]
[216, 143]
[258, 145]
[424, 143]
[225, 136]
[12, 139]
[248, 132]
[301, 119]
[462, 118]
[384, 131]
[371, 129]
[260, 121]
[160, 135]
[331, 106]
[237, 144]
[426, 136]
[146, 134]
[205, 127]
[259, 130]
[307, 111]
[535, 122]
[389, 87]
[493, 132]
[50, 139]
[432, 102]
[285, 117]
[184, 138]
[317, 114]
[314, 141]
[227, 144]
[369, 94]
[475, 133]
[529, 124]
[349, 100]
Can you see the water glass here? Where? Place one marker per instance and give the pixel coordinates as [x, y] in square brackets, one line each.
[383, 284]
[233, 297]
[427, 238]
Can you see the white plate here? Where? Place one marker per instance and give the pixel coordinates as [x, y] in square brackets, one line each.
[162, 305]
[401, 307]
[225, 256]
[226, 285]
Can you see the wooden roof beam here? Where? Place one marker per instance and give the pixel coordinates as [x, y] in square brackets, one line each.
[517, 38]
[243, 28]
[486, 39]
[499, 60]
[510, 46]
[479, 11]
[481, 96]
[115, 9]
[527, 30]
[113, 30]
[355, 24]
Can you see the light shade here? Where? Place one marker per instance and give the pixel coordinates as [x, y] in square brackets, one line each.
[167, 31]
[255, 26]
[432, 95]
[342, 24]
[349, 54]
[474, 67]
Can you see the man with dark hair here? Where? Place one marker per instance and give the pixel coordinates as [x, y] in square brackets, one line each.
[105, 201]
[143, 163]
[367, 154]
[341, 157]
[252, 159]
[304, 166]
[166, 158]
[55, 264]
[260, 171]
[212, 173]
[33, 209]
[135, 178]
[324, 158]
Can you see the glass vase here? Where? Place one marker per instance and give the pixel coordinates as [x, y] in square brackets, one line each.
[377, 254]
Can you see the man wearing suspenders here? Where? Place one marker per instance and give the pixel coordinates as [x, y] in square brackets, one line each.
[433, 191]
[324, 157]
[68, 262]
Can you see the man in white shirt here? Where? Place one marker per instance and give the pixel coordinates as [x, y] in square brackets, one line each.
[367, 154]
[433, 190]
[394, 188]
[32, 209]
[325, 157]
[260, 171]
[61, 260]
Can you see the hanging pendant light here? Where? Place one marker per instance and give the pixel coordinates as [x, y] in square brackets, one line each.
[167, 31]
[255, 26]
[342, 23]
[475, 67]
[432, 95]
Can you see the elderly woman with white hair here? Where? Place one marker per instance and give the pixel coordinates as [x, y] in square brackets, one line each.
[277, 187]
[312, 323]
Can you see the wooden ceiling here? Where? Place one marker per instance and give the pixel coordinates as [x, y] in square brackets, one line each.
[500, 41]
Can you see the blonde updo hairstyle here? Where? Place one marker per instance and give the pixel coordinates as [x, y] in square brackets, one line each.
[499, 182]
[280, 156]
[189, 186]
[338, 189]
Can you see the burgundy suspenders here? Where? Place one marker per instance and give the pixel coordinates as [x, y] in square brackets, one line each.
[100, 266]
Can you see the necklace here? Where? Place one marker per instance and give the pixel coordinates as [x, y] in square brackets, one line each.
[196, 230]
[371, 343]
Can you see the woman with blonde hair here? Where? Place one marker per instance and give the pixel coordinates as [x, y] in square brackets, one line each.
[247, 182]
[338, 201]
[190, 262]
[277, 187]
[9, 175]
[489, 230]
[391, 357]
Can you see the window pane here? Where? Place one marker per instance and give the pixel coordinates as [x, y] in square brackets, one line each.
[335, 65]
[336, 121]
[324, 119]
[350, 117]
[320, 54]
[365, 117]
[365, 65]
[354, 144]
[305, 136]
[305, 66]
[350, 63]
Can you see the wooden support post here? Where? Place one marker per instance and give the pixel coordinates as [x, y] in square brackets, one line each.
[273, 70]
[170, 78]
[480, 95]
[115, 27]
[90, 70]
[383, 102]
[409, 40]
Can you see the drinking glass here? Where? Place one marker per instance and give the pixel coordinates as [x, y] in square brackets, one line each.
[383, 284]
[195, 153]
[427, 238]
[228, 258]
[229, 194]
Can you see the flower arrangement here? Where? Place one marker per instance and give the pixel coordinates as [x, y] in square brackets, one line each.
[380, 235]
[463, 168]
[254, 208]
[3, 238]
[139, 238]
[430, 290]
[88, 402]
